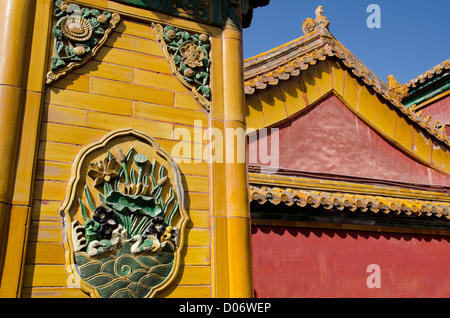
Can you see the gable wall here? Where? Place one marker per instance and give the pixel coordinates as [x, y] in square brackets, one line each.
[280, 103]
[328, 138]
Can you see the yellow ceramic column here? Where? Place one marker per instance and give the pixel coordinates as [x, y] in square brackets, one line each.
[16, 17]
[238, 217]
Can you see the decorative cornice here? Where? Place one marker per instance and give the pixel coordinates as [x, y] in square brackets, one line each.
[291, 59]
[298, 55]
[78, 35]
[189, 58]
[345, 184]
[347, 201]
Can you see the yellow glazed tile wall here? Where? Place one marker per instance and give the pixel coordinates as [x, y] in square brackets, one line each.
[351, 90]
[310, 84]
[367, 104]
[385, 118]
[294, 96]
[128, 84]
[324, 79]
[272, 105]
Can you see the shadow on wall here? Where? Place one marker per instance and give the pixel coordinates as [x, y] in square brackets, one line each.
[298, 232]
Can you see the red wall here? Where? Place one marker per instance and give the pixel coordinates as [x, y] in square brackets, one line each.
[293, 262]
[440, 111]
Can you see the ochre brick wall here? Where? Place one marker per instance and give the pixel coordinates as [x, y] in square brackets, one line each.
[128, 84]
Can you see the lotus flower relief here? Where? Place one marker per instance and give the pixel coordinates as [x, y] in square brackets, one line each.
[134, 189]
[125, 237]
[104, 170]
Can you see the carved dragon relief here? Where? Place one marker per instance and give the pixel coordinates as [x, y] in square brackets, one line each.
[78, 35]
[123, 217]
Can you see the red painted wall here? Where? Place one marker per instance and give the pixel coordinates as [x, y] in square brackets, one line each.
[440, 111]
[294, 262]
[329, 138]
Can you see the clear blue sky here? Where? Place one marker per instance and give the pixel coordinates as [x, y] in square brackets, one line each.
[414, 35]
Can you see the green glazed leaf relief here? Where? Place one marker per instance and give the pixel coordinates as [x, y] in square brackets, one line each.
[126, 220]
[135, 204]
[189, 57]
[130, 199]
[78, 35]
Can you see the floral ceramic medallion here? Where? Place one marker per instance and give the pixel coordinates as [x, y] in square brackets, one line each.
[123, 217]
[189, 58]
[78, 34]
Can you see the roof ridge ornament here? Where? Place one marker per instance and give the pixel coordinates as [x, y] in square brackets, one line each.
[320, 23]
[397, 91]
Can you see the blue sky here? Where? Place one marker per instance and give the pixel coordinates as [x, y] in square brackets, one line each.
[414, 35]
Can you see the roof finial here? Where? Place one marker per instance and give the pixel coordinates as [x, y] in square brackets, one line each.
[320, 23]
[319, 11]
[396, 91]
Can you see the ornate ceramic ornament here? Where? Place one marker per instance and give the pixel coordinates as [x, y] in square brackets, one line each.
[78, 35]
[123, 217]
[320, 23]
[189, 58]
[233, 13]
[396, 91]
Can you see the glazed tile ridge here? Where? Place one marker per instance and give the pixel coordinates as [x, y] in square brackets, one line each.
[428, 75]
[290, 59]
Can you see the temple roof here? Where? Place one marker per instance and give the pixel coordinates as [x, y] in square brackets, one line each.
[443, 69]
[428, 87]
[335, 169]
[293, 58]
